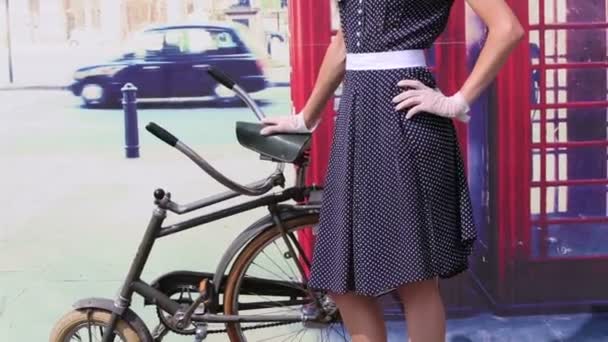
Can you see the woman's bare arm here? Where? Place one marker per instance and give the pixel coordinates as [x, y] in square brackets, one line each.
[505, 31]
[330, 76]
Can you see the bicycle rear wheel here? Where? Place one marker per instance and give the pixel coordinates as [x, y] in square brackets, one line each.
[264, 280]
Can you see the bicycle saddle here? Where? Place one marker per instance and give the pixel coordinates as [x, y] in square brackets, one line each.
[287, 148]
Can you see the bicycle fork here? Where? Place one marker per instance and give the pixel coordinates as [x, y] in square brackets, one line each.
[143, 252]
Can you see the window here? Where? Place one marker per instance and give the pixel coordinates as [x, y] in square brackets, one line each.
[186, 41]
[244, 3]
[147, 43]
[569, 196]
[242, 21]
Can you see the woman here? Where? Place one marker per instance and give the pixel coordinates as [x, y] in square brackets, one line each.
[396, 213]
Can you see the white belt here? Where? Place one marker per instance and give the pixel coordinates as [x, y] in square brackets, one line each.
[385, 60]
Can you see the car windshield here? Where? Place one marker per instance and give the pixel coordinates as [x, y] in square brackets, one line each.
[185, 41]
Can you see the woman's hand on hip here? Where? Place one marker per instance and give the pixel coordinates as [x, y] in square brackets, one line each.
[422, 98]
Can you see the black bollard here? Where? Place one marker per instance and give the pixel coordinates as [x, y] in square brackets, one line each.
[129, 106]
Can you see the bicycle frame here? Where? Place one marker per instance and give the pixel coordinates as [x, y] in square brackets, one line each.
[278, 213]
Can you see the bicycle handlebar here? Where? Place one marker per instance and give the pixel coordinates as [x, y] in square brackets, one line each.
[257, 188]
[254, 189]
[221, 78]
[162, 134]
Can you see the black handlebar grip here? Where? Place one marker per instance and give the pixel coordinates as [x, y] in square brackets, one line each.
[162, 134]
[221, 77]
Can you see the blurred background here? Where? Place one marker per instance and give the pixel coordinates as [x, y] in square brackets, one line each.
[72, 33]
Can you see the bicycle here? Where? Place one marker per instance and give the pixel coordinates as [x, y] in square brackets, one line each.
[254, 288]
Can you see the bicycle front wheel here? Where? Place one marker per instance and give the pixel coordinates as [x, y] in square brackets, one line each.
[91, 325]
[265, 281]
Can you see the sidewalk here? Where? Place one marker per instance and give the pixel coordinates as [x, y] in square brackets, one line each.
[25, 86]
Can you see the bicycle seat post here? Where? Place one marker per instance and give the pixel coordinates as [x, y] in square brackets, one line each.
[302, 166]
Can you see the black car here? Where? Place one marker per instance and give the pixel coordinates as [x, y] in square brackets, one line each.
[171, 62]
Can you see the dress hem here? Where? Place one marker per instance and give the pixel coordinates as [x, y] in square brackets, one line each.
[445, 275]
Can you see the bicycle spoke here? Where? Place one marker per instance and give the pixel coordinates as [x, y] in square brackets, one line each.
[288, 264]
[279, 267]
[269, 313]
[278, 336]
[289, 285]
[301, 338]
[272, 301]
[76, 335]
[296, 335]
[267, 278]
[300, 333]
[93, 331]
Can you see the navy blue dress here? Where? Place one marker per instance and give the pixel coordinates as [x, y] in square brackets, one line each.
[396, 206]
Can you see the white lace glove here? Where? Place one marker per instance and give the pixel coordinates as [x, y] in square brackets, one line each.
[425, 99]
[286, 124]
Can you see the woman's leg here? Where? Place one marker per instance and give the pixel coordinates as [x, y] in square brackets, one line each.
[362, 316]
[424, 311]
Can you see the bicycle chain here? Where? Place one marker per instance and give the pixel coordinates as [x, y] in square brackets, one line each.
[220, 331]
[217, 331]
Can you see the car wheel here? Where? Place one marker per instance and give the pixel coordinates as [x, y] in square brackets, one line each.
[94, 95]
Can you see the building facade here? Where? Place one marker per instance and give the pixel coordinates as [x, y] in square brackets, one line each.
[54, 21]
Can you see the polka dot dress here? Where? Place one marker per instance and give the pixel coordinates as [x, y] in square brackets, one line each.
[396, 206]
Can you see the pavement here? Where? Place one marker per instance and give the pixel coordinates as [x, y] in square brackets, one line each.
[74, 209]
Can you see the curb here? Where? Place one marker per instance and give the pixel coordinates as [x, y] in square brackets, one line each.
[33, 87]
[278, 84]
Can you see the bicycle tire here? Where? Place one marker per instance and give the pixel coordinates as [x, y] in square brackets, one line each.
[66, 326]
[244, 260]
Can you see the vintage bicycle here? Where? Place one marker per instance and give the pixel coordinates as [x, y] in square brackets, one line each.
[258, 290]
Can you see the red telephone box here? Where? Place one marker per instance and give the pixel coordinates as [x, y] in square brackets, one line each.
[563, 259]
[543, 233]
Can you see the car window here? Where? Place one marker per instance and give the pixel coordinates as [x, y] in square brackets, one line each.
[184, 41]
[199, 40]
[223, 40]
[148, 43]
